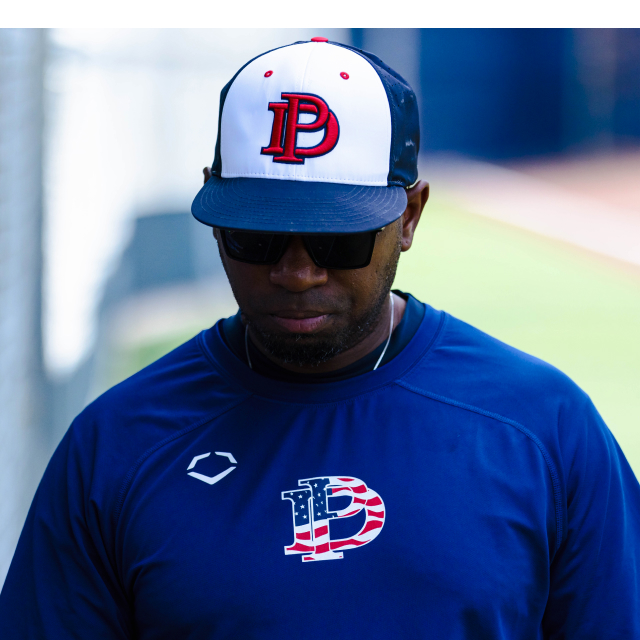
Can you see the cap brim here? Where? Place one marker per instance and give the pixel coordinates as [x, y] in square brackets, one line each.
[288, 206]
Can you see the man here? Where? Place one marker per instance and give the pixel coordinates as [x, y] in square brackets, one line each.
[336, 460]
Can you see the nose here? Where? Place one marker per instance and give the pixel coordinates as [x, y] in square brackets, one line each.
[296, 271]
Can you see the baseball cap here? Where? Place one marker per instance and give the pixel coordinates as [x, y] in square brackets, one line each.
[313, 137]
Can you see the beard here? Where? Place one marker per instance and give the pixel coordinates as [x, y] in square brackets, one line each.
[312, 350]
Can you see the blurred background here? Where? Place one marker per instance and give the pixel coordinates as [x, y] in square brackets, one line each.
[530, 140]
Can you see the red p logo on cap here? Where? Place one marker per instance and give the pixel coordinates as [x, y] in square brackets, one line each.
[285, 117]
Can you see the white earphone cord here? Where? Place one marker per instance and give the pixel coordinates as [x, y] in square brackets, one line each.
[246, 339]
[390, 332]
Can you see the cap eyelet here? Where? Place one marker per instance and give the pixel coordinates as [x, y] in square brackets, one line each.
[344, 75]
[268, 74]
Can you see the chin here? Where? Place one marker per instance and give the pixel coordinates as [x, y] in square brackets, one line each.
[303, 349]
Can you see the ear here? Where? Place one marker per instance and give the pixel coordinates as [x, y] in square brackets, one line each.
[207, 174]
[417, 198]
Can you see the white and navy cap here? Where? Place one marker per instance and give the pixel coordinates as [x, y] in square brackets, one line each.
[313, 137]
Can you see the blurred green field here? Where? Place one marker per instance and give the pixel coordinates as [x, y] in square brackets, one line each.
[571, 308]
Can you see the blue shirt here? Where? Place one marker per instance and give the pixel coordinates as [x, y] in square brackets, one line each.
[464, 490]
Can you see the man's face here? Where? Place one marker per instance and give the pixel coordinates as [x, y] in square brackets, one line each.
[346, 305]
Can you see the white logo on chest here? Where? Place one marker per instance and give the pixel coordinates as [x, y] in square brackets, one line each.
[211, 479]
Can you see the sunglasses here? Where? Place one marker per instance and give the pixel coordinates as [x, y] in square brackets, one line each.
[333, 251]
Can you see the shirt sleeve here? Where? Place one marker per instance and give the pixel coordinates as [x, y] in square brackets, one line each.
[61, 582]
[595, 575]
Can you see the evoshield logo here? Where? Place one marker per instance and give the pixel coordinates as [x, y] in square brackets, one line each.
[284, 133]
[311, 516]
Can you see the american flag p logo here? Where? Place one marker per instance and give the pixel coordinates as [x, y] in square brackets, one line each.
[311, 516]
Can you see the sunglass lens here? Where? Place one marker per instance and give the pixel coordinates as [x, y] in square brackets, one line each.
[349, 251]
[262, 248]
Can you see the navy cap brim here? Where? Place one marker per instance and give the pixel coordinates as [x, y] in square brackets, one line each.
[288, 206]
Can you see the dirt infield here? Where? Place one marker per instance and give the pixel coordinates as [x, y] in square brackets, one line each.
[591, 202]
[610, 178]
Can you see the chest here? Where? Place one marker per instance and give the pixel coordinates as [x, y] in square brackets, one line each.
[344, 521]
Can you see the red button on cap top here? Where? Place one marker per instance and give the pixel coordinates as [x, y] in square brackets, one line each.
[319, 39]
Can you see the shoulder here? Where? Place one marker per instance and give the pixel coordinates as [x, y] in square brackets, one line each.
[173, 394]
[469, 367]
[471, 371]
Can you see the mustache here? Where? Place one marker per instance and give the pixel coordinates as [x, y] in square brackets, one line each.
[298, 302]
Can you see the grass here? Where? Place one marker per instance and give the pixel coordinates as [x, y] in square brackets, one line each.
[125, 361]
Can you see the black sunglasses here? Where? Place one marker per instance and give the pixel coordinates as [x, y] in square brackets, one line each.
[334, 251]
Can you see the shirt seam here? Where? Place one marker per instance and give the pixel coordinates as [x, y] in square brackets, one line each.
[133, 470]
[555, 480]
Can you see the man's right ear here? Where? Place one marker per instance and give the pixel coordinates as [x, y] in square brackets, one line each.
[207, 174]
